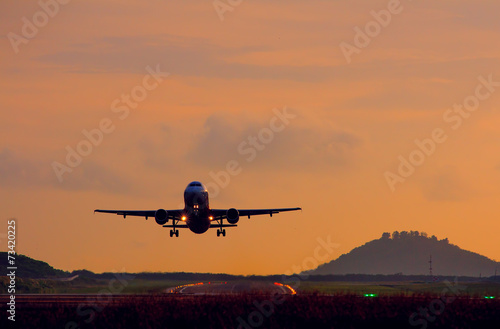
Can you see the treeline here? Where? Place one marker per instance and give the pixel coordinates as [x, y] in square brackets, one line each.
[207, 277]
[396, 235]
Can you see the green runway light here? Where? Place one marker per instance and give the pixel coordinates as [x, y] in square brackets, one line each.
[489, 297]
[370, 295]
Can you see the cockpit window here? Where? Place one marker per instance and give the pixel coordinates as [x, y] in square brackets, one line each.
[195, 184]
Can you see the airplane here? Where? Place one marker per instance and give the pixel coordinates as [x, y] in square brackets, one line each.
[197, 214]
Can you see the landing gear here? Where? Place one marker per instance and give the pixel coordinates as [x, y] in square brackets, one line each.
[174, 231]
[221, 225]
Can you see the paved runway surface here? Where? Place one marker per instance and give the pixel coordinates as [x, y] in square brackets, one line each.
[195, 289]
[220, 288]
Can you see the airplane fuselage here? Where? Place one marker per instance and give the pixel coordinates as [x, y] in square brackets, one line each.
[197, 208]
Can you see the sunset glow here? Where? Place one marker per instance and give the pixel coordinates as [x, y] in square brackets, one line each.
[372, 116]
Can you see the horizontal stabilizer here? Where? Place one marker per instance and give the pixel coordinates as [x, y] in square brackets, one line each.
[177, 226]
[223, 225]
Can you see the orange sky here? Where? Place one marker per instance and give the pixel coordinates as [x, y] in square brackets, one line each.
[225, 78]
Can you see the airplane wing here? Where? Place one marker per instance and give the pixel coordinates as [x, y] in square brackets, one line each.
[221, 213]
[172, 214]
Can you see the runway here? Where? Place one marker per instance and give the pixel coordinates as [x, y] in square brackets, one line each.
[66, 299]
[193, 289]
[224, 288]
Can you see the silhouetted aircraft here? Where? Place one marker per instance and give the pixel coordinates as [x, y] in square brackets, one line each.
[197, 214]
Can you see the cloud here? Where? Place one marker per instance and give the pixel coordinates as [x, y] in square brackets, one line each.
[16, 171]
[301, 146]
[198, 57]
[179, 56]
[21, 171]
[219, 139]
[446, 185]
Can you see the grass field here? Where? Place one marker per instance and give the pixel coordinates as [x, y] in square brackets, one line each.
[258, 311]
[141, 286]
[474, 289]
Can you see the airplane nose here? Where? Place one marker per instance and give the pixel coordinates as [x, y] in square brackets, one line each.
[189, 194]
[195, 197]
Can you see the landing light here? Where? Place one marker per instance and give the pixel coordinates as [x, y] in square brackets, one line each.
[183, 218]
[370, 295]
[211, 217]
[287, 286]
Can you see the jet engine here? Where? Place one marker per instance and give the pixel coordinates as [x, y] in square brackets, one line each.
[233, 216]
[161, 216]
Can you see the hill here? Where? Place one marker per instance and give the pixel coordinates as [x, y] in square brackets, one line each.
[30, 268]
[408, 253]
